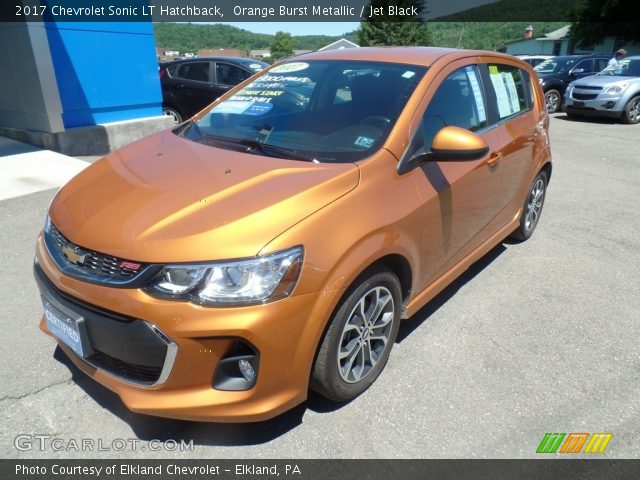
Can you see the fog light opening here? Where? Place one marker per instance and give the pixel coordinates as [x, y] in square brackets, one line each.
[238, 370]
[247, 370]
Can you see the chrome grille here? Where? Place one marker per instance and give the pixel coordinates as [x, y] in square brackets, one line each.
[98, 265]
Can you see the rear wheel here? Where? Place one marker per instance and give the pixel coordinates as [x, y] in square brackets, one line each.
[631, 112]
[356, 346]
[532, 207]
[553, 100]
[173, 113]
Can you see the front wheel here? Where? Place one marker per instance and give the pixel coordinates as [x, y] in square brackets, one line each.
[631, 112]
[553, 100]
[532, 207]
[356, 346]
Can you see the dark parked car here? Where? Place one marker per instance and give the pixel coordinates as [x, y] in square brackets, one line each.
[557, 73]
[190, 85]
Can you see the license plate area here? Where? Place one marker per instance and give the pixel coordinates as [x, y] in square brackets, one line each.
[578, 104]
[68, 327]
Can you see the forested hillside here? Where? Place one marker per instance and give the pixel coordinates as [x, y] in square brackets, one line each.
[186, 37]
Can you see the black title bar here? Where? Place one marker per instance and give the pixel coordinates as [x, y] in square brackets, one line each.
[222, 11]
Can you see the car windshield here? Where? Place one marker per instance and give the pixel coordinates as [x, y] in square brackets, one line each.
[626, 68]
[321, 111]
[555, 65]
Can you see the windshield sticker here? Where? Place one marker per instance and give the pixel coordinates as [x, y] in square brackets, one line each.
[365, 142]
[257, 93]
[243, 107]
[493, 69]
[290, 67]
[281, 78]
[256, 66]
[408, 74]
[477, 93]
[506, 94]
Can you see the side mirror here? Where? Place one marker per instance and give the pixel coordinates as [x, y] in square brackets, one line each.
[449, 144]
[457, 144]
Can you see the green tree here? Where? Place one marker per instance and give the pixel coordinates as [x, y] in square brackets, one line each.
[393, 29]
[282, 46]
[597, 19]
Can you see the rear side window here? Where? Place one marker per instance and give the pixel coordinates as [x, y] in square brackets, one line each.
[509, 85]
[198, 71]
[458, 101]
[173, 70]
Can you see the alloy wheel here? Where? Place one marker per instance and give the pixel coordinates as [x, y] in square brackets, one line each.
[534, 205]
[365, 336]
[634, 111]
[552, 101]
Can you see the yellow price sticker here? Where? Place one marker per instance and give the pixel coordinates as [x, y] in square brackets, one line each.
[493, 69]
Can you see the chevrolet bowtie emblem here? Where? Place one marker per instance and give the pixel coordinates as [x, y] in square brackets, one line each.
[73, 255]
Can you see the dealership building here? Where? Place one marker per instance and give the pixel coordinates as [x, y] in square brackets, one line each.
[79, 88]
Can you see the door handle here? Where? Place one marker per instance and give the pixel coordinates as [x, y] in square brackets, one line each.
[494, 159]
[179, 86]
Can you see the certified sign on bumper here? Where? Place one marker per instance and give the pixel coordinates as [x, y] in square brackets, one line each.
[63, 327]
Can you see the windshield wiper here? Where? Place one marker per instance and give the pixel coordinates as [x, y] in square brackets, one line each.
[255, 146]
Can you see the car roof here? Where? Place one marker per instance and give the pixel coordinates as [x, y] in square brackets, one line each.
[594, 55]
[423, 56]
[241, 60]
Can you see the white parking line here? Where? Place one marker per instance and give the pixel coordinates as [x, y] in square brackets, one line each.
[26, 169]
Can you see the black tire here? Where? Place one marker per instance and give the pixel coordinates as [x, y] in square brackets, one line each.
[530, 217]
[631, 113]
[328, 376]
[174, 113]
[553, 101]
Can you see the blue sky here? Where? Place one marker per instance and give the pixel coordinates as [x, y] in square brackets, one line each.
[298, 28]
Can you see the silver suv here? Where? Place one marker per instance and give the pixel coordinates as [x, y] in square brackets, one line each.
[614, 92]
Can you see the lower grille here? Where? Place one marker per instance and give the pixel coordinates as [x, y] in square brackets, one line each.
[129, 371]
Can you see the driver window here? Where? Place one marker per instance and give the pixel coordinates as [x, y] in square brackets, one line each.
[458, 101]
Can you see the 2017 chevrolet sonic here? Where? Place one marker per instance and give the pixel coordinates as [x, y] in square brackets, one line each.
[274, 242]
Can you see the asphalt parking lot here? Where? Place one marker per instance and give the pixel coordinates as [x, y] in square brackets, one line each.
[536, 337]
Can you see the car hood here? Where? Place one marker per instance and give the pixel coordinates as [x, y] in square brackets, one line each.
[168, 199]
[597, 81]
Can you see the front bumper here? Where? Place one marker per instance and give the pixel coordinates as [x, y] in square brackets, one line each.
[285, 333]
[603, 105]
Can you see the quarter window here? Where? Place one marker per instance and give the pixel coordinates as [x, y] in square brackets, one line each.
[459, 101]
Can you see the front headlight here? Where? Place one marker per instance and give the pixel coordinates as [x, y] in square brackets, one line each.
[616, 88]
[238, 282]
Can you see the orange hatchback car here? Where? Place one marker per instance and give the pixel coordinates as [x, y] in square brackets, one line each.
[274, 242]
